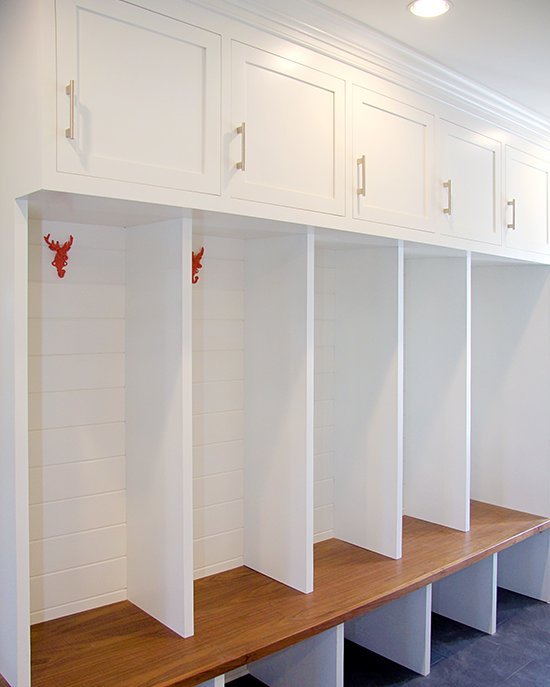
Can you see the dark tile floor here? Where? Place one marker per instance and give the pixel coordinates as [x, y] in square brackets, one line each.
[518, 655]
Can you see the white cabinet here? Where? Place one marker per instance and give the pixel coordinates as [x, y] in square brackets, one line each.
[288, 142]
[527, 197]
[138, 96]
[393, 154]
[469, 199]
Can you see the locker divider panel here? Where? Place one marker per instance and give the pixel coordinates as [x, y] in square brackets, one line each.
[437, 390]
[158, 422]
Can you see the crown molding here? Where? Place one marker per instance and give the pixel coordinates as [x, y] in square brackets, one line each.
[318, 27]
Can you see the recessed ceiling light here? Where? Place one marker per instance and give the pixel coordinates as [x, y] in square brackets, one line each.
[429, 8]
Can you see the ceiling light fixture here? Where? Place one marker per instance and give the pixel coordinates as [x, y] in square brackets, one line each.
[429, 8]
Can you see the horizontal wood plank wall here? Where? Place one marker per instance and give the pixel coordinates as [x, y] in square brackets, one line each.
[218, 393]
[76, 421]
[325, 290]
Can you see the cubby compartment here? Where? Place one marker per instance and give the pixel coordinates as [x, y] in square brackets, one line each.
[437, 387]
[358, 392]
[469, 596]
[314, 662]
[253, 404]
[109, 445]
[399, 630]
[510, 400]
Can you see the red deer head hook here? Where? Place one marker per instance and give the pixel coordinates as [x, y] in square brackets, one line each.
[61, 259]
[197, 265]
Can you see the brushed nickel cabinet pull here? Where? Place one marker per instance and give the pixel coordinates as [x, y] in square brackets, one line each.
[362, 164]
[512, 204]
[449, 209]
[242, 162]
[69, 90]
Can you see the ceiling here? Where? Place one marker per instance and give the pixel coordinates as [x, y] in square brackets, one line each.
[502, 44]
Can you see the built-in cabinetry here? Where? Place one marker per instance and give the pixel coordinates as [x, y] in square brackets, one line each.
[227, 110]
[138, 96]
[527, 199]
[470, 181]
[289, 129]
[330, 377]
[392, 323]
[393, 145]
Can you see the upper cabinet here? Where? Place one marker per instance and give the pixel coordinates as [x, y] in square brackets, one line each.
[393, 161]
[469, 185]
[138, 96]
[288, 135]
[183, 99]
[527, 200]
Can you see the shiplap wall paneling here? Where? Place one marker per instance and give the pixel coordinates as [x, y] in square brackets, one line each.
[525, 567]
[159, 422]
[469, 596]
[315, 662]
[76, 386]
[218, 405]
[278, 401]
[437, 390]
[324, 430]
[399, 630]
[368, 398]
[511, 386]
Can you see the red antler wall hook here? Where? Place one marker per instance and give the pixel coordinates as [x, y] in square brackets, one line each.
[61, 259]
[197, 265]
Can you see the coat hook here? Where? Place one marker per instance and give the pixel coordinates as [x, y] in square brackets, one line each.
[61, 259]
[197, 265]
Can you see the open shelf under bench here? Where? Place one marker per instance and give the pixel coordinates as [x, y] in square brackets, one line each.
[241, 616]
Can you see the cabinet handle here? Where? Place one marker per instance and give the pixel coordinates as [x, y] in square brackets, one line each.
[361, 162]
[448, 210]
[512, 204]
[69, 90]
[242, 162]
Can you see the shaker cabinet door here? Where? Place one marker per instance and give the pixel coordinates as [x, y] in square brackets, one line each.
[527, 198]
[138, 96]
[287, 144]
[393, 161]
[470, 188]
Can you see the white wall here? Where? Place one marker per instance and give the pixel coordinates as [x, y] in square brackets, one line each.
[76, 421]
[324, 449]
[218, 417]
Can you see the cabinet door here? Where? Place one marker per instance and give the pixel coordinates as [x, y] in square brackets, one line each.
[146, 96]
[527, 196]
[393, 155]
[291, 150]
[469, 203]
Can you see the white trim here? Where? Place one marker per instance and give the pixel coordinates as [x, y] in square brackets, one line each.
[312, 24]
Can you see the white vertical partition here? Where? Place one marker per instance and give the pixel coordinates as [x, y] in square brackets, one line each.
[315, 662]
[14, 474]
[437, 390]
[525, 567]
[369, 401]
[400, 630]
[469, 596]
[158, 422]
[278, 491]
[215, 682]
[511, 386]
